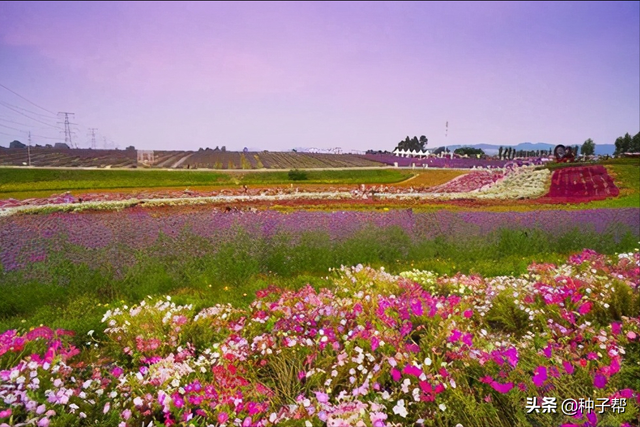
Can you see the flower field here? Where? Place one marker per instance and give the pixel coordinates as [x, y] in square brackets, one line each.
[117, 239]
[369, 349]
[511, 183]
[229, 305]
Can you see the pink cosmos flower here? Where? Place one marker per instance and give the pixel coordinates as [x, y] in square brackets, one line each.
[455, 335]
[487, 380]
[416, 307]
[322, 397]
[375, 343]
[615, 328]
[223, 417]
[502, 388]
[5, 414]
[512, 356]
[540, 376]
[599, 381]
[568, 367]
[468, 339]
[631, 335]
[412, 370]
[585, 308]
[395, 374]
[468, 313]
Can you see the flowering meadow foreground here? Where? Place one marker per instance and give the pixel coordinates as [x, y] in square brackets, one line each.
[369, 349]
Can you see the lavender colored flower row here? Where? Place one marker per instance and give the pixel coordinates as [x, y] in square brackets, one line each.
[30, 239]
[447, 162]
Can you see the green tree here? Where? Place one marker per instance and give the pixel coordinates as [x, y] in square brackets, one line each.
[588, 148]
[413, 143]
[635, 144]
[500, 152]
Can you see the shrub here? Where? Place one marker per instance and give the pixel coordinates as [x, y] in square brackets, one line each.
[297, 175]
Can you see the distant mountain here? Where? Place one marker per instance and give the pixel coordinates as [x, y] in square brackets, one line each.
[492, 149]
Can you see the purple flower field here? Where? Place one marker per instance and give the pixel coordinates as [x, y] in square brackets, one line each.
[116, 235]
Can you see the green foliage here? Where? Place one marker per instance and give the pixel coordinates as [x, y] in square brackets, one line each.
[506, 316]
[25, 183]
[297, 175]
[470, 151]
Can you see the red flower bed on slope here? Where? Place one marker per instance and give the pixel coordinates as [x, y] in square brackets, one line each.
[581, 184]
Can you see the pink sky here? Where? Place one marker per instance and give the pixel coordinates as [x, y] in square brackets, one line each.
[352, 75]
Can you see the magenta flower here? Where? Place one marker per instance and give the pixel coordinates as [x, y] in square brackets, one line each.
[223, 417]
[585, 308]
[599, 381]
[375, 343]
[468, 313]
[512, 356]
[178, 401]
[468, 339]
[502, 388]
[540, 376]
[487, 380]
[615, 328]
[455, 335]
[395, 374]
[416, 307]
[5, 414]
[568, 367]
[412, 370]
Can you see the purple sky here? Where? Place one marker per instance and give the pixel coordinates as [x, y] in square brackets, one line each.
[352, 75]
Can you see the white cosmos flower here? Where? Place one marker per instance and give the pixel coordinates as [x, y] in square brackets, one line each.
[400, 409]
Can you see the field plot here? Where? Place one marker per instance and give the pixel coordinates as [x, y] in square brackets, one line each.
[203, 159]
[28, 183]
[52, 157]
[591, 182]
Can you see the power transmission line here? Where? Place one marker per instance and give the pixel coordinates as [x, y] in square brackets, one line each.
[49, 116]
[9, 127]
[18, 123]
[22, 131]
[32, 118]
[30, 102]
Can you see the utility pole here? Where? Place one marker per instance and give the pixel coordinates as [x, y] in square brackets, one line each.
[29, 149]
[93, 137]
[67, 128]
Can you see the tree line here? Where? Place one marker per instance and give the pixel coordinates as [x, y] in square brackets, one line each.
[627, 144]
